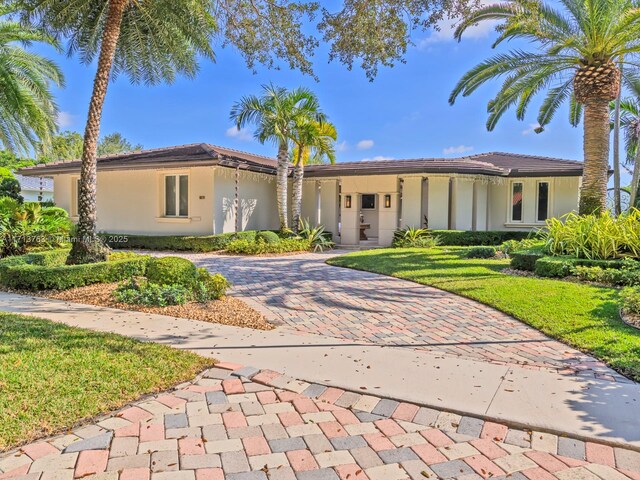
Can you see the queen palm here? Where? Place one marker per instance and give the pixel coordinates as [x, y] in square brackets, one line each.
[150, 41]
[314, 142]
[27, 109]
[579, 45]
[275, 115]
[630, 126]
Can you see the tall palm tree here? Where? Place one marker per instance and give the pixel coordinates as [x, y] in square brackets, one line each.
[579, 46]
[275, 114]
[314, 142]
[150, 41]
[630, 126]
[27, 109]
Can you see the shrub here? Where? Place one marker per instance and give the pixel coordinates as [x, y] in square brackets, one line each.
[10, 188]
[526, 259]
[203, 244]
[511, 246]
[150, 294]
[259, 247]
[631, 299]
[172, 271]
[481, 252]
[47, 271]
[602, 236]
[411, 237]
[209, 287]
[461, 238]
[268, 237]
[627, 275]
[563, 266]
[27, 226]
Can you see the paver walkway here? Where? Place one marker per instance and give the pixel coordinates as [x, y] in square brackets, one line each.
[239, 423]
[305, 293]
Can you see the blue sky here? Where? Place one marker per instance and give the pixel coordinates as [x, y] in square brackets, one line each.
[402, 114]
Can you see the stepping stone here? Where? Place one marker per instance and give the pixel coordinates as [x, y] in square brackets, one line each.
[101, 442]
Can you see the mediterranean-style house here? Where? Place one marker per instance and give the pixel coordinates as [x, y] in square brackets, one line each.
[202, 189]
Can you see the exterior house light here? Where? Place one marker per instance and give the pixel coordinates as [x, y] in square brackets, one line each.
[387, 201]
[347, 201]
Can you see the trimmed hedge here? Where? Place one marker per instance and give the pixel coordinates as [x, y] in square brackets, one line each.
[526, 259]
[172, 271]
[210, 243]
[268, 237]
[462, 238]
[47, 271]
[561, 266]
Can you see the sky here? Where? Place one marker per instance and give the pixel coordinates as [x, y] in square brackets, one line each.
[403, 114]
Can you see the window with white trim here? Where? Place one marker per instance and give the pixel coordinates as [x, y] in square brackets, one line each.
[516, 201]
[176, 196]
[543, 201]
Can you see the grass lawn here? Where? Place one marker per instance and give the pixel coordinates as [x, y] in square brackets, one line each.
[583, 316]
[52, 375]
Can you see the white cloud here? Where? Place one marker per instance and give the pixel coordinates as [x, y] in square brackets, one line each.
[458, 149]
[243, 135]
[379, 158]
[531, 129]
[365, 144]
[447, 27]
[342, 146]
[65, 119]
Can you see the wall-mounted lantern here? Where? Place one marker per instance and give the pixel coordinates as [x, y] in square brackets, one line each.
[387, 201]
[347, 201]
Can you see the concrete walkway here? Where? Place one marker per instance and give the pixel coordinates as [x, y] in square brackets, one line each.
[235, 422]
[582, 407]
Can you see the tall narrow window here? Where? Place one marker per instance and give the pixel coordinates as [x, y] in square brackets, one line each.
[516, 202]
[543, 201]
[176, 195]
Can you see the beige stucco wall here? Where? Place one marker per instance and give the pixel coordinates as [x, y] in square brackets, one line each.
[412, 201]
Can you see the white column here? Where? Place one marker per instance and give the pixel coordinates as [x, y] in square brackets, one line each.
[387, 218]
[412, 202]
[462, 204]
[329, 206]
[438, 208]
[480, 205]
[350, 234]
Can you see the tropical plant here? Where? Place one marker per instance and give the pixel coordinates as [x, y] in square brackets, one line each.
[412, 237]
[630, 125]
[28, 112]
[141, 292]
[596, 237]
[579, 47]
[149, 41]
[317, 236]
[28, 225]
[314, 142]
[275, 115]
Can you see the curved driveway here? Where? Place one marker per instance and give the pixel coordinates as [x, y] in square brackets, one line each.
[304, 293]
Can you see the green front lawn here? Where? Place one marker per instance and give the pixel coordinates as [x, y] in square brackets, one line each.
[583, 316]
[52, 375]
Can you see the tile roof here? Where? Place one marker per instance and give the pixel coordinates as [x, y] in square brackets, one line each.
[203, 154]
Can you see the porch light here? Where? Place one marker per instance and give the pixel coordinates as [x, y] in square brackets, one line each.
[387, 201]
[347, 201]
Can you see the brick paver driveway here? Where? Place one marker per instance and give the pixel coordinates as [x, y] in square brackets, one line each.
[304, 293]
[239, 423]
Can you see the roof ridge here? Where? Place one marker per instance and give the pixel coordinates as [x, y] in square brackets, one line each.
[523, 155]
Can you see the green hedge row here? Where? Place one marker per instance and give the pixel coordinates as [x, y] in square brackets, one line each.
[202, 244]
[536, 260]
[47, 271]
[462, 238]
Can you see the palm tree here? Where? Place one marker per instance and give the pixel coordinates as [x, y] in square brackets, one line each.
[630, 126]
[579, 47]
[150, 41]
[314, 142]
[275, 115]
[28, 112]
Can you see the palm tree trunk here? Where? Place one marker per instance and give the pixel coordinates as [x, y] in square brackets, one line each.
[596, 157]
[635, 178]
[298, 176]
[87, 247]
[616, 155]
[281, 184]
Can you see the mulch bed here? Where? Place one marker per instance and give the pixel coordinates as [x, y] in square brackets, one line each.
[226, 311]
[630, 319]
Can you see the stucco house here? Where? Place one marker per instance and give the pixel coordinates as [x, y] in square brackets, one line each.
[202, 189]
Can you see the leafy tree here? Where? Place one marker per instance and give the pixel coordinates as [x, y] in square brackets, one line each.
[115, 143]
[64, 146]
[10, 161]
[314, 142]
[579, 46]
[27, 110]
[275, 115]
[149, 41]
[10, 187]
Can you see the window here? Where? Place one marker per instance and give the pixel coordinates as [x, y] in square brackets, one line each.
[516, 202]
[176, 195]
[543, 201]
[368, 201]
